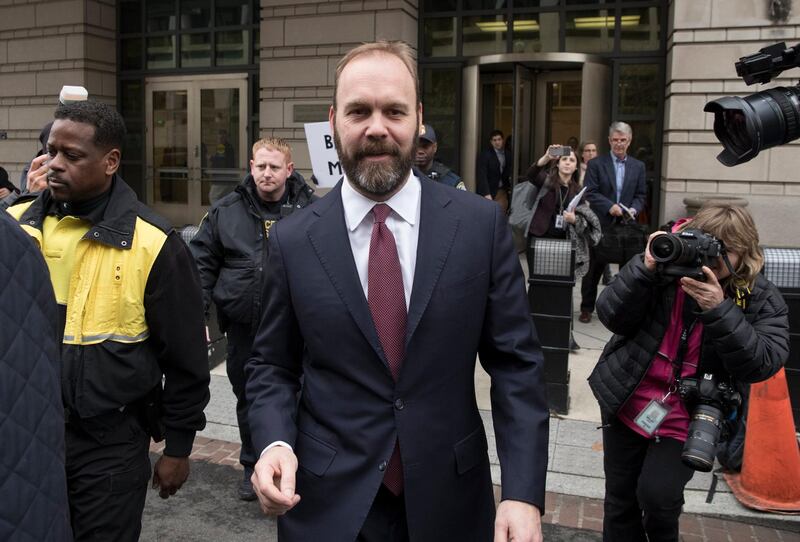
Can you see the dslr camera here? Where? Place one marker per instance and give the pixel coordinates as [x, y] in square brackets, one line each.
[745, 126]
[684, 254]
[710, 402]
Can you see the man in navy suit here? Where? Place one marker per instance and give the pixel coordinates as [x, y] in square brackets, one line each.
[379, 296]
[493, 171]
[611, 179]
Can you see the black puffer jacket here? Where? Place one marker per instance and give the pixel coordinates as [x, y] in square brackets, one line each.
[742, 346]
[33, 484]
[231, 249]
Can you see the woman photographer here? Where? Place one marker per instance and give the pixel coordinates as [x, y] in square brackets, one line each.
[732, 325]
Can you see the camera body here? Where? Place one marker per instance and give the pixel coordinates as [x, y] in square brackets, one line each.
[683, 254]
[709, 402]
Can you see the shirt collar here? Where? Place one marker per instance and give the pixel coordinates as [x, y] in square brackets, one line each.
[616, 159]
[92, 210]
[404, 202]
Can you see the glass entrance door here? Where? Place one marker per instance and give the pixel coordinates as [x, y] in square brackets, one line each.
[523, 143]
[196, 143]
[558, 106]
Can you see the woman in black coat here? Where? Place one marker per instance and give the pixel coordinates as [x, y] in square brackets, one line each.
[731, 326]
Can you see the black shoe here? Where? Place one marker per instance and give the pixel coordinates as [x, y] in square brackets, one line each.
[246, 492]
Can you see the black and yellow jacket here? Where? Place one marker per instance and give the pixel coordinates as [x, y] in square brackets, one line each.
[132, 310]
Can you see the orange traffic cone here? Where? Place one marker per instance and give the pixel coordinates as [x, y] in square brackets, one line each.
[770, 477]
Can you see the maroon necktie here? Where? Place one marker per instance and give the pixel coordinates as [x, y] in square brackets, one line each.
[387, 303]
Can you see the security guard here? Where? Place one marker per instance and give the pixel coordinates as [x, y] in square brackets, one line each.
[424, 160]
[231, 254]
[131, 313]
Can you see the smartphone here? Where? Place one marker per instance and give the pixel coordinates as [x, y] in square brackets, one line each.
[564, 150]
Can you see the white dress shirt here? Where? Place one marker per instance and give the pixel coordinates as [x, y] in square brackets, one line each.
[403, 222]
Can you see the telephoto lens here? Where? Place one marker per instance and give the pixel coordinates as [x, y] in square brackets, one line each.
[700, 448]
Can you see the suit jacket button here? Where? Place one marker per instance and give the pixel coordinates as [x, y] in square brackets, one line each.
[382, 466]
[399, 404]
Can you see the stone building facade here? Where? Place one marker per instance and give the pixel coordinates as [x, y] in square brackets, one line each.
[47, 44]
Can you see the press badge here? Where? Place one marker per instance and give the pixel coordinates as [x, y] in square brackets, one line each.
[651, 416]
[559, 222]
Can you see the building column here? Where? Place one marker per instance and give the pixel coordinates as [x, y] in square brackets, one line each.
[705, 38]
[45, 45]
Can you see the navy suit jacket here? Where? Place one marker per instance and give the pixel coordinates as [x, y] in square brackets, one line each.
[601, 186]
[488, 173]
[468, 298]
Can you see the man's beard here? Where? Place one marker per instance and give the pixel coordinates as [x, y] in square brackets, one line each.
[375, 178]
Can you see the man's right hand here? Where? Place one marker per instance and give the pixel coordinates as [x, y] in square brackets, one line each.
[615, 210]
[37, 174]
[274, 480]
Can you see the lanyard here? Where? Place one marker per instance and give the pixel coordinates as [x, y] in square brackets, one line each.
[688, 321]
[563, 192]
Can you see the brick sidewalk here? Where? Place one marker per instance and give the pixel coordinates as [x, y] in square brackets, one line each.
[583, 513]
[566, 510]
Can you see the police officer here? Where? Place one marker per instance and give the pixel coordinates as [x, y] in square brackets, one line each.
[131, 315]
[424, 160]
[231, 253]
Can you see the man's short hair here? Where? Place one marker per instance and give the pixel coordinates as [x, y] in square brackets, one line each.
[399, 49]
[494, 133]
[623, 127]
[109, 128]
[273, 144]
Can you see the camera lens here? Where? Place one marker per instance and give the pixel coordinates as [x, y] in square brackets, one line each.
[746, 126]
[666, 248]
[701, 442]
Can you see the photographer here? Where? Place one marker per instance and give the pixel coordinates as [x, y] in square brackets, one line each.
[729, 329]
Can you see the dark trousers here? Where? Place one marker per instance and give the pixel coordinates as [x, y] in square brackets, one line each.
[240, 344]
[591, 279]
[386, 521]
[108, 468]
[645, 479]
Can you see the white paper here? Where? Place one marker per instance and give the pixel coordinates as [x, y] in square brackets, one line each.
[575, 201]
[324, 160]
[630, 212]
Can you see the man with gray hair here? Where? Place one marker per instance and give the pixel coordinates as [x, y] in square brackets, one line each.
[616, 189]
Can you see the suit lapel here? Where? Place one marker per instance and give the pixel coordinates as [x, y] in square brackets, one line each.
[328, 236]
[437, 231]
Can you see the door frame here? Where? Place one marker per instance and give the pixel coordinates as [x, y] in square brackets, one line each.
[193, 85]
[595, 97]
